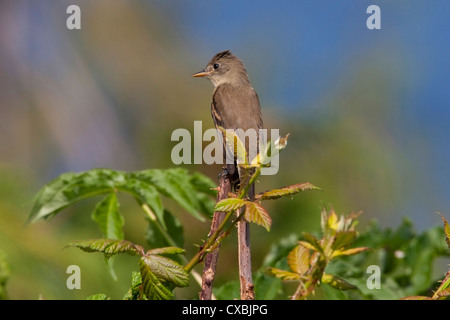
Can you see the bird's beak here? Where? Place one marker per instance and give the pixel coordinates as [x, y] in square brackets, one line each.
[202, 74]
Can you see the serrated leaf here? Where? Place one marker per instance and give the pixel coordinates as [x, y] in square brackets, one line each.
[229, 204]
[108, 217]
[299, 259]
[71, 187]
[167, 270]
[166, 250]
[151, 285]
[307, 245]
[174, 184]
[443, 294]
[109, 247]
[98, 296]
[349, 252]
[145, 192]
[446, 230]
[203, 184]
[337, 282]
[343, 239]
[444, 287]
[286, 191]
[416, 298]
[332, 221]
[160, 273]
[313, 241]
[134, 293]
[206, 193]
[155, 237]
[283, 274]
[254, 212]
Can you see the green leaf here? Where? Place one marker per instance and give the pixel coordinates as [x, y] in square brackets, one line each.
[175, 184]
[286, 191]
[5, 273]
[229, 204]
[70, 188]
[266, 287]
[144, 192]
[191, 192]
[283, 274]
[228, 291]
[299, 259]
[329, 221]
[160, 273]
[108, 217]
[307, 245]
[134, 293]
[444, 287]
[168, 270]
[313, 241]
[343, 239]
[254, 212]
[110, 222]
[337, 282]
[166, 250]
[349, 252]
[156, 239]
[416, 298]
[98, 296]
[109, 247]
[203, 184]
[206, 193]
[151, 285]
[279, 250]
[446, 230]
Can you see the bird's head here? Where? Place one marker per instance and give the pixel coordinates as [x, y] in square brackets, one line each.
[224, 67]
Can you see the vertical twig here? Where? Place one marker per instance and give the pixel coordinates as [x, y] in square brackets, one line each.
[209, 270]
[245, 263]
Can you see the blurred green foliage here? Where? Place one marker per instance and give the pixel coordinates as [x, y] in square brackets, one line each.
[111, 96]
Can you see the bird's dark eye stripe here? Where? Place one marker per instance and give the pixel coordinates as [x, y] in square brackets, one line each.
[216, 66]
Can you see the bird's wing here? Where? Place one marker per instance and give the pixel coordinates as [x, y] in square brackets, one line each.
[235, 107]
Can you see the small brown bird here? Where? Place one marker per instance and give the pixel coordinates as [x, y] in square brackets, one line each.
[235, 105]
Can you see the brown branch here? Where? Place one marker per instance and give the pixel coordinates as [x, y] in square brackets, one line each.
[245, 262]
[209, 270]
[245, 265]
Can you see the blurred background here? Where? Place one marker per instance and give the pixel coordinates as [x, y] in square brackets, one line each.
[367, 110]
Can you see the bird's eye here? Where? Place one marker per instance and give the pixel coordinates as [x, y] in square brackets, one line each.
[216, 65]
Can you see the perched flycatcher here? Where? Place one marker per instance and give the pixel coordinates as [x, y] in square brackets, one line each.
[235, 105]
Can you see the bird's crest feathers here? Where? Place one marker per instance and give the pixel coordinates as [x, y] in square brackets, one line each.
[221, 55]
